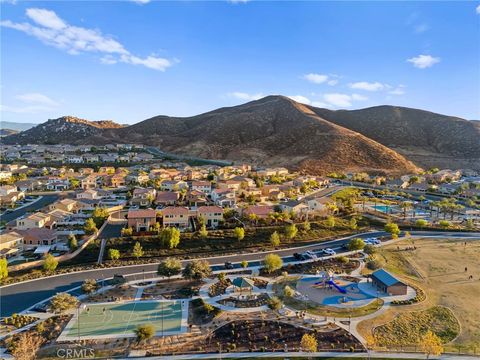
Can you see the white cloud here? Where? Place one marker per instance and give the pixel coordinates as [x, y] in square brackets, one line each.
[319, 104]
[316, 78]
[245, 96]
[338, 100]
[421, 28]
[52, 30]
[358, 97]
[368, 86]
[321, 78]
[478, 9]
[36, 98]
[300, 98]
[141, 2]
[399, 90]
[423, 61]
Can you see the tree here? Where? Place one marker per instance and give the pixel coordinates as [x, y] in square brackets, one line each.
[306, 226]
[244, 264]
[272, 262]
[330, 221]
[170, 237]
[353, 224]
[26, 346]
[89, 286]
[421, 223]
[72, 242]
[291, 231]
[393, 229]
[113, 254]
[169, 267]
[3, 268]
[369, 249]
[137, 251]
[309, 343]
[63, 302]
[50, 263]
[445, 224]
[90, 226]
[99, 215]
[275, 303]
[356, 244]
[288, 291]
[144, 332]
[197, 270]
[239, 233]
[203, 232]
[431, 344]
[128, 231]
[275, 239]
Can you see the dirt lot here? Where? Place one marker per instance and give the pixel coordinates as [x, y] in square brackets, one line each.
[438, 267]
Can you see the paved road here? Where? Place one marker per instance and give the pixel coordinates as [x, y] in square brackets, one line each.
[44, 201]
[18, 297]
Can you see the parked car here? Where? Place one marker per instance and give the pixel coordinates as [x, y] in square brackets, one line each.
[228, 265]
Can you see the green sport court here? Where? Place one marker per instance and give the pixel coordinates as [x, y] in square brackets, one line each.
[112, 320]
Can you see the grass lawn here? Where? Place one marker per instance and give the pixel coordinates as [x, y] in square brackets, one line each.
[438, 267]
[321, 310]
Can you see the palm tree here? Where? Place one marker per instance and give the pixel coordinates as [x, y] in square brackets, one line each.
[405, 205]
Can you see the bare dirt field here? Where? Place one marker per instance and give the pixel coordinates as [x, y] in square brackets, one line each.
[442, 268]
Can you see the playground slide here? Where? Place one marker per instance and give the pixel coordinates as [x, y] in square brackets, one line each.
[339, 288]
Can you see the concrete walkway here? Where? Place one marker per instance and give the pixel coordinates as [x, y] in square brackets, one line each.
[286, 355]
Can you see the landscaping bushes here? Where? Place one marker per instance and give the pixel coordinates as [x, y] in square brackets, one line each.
[419, 297]
[407, 328]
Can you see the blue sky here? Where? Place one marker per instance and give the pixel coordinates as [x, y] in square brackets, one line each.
[131, 60]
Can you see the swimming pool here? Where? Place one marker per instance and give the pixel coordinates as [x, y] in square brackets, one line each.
[384, 208]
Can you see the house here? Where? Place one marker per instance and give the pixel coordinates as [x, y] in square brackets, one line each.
[167, 198]
[58, 184]
[38, 236]
[5, 175]
[88, 182]
[28, 185]
[143, 196]
[116, 180]
[141, 220]
[293, 206]
[387, 283]
[229, 184]
[11, 244]
[196, 198]
[203, 186]
[68, 205]
[12, 198]
[176, 217]
[173, 185]
[224, 197]
[260, 211]
[212, 215]
[88, 195]
[319, 204]
[7, 189]
[36, 220]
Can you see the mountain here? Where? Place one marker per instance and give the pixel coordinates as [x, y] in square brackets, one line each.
[426, 138]
[66, 129]
[16, 126]
[276, 130]
[272, 131]
[7, 132]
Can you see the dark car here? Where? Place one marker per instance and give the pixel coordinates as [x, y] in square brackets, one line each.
[228, 265]
[298, 256]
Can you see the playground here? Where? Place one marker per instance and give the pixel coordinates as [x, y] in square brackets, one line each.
[334, 291]
[115, 320]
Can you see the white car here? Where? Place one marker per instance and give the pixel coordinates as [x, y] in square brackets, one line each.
[310, 254]
[328, 251]
[372, 241]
